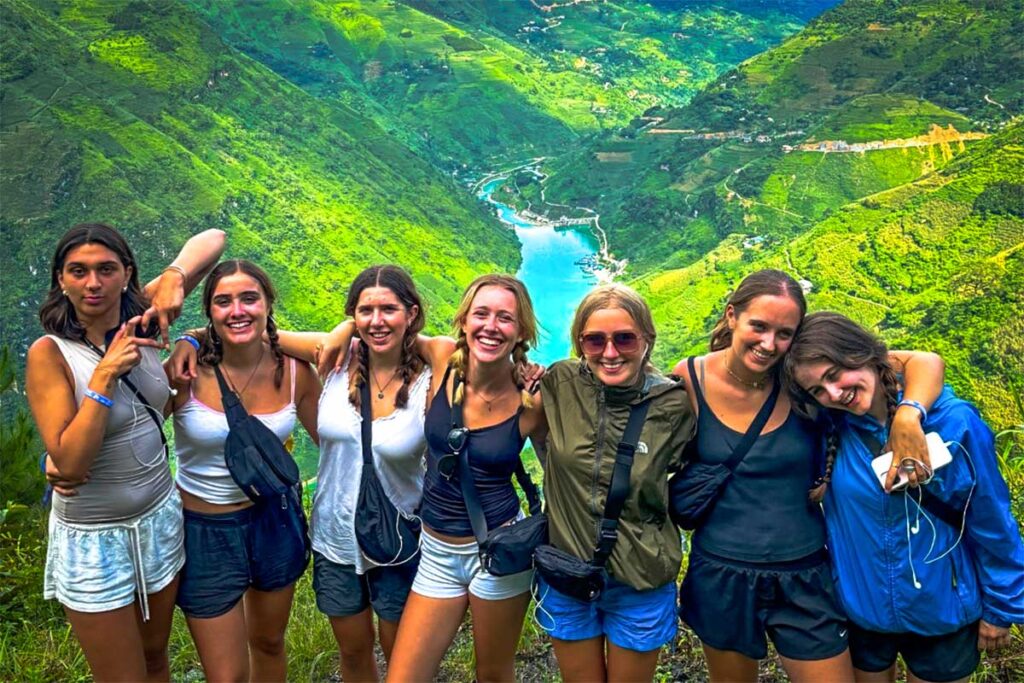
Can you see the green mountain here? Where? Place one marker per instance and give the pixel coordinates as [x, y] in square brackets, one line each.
[139, 115]
[670, 189]
[470, 81]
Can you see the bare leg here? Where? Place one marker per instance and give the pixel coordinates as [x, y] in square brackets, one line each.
[222, 646]
[111, 643]
[838, 669]
[157, 631]
[726, 666]
[266, 618]
[388, 630]
[911, 678]
[355, 642]
[580, 661]
[497, 625]
[629, 665]
[427, 628]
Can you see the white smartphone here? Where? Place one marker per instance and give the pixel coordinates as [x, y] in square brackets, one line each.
[938, 454]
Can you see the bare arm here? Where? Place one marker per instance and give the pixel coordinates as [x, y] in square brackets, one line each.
[307, 399]
[167, 292]
[71, 434]
[923, 377]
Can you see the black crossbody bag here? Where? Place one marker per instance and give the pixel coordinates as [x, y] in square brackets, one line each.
[386, 535]
[509, 548]
[568, 574]
[695, 489]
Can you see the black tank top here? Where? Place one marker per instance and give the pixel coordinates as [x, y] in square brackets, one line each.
[763, 513]
[493, 455]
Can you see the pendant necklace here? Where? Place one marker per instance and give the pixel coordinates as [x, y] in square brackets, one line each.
[382, 389]
[756, 384]
[251, 374]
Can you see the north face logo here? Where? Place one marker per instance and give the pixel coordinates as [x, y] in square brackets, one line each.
[641, 447]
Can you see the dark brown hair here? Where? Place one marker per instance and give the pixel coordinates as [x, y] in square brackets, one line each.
[827, 337]
[411, 362]
[759, 283]
[56, 314]
[210, 349]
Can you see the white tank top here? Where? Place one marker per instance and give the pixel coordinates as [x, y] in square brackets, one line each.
[130, 474]
[199, 435]
[398, 448]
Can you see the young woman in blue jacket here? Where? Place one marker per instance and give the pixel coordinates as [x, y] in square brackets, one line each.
[914, 580]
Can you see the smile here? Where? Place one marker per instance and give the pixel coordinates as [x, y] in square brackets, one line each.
[761, 355]
[489, 342]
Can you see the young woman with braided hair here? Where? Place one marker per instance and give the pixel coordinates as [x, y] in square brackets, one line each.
[240, 568]
[494, 326]
[915, 581]
[758, 561]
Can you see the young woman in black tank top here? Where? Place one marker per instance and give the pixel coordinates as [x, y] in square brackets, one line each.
[757, 564]
[495, 326]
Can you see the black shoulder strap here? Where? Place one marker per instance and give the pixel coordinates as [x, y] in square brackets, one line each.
[366, 411]
[949, 514]
[618, 488]
[528, 487]
[467, 483]
[698, 390]
[754, 430]
[156, 415]
[233, 408]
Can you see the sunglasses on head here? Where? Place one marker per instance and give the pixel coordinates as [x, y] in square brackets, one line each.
[594, 343]
[448, 464]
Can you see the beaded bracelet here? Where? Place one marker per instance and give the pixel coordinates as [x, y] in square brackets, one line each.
[99, 398]
[190, 339]
[914, 404]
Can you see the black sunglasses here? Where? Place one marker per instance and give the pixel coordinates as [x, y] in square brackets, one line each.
[448, 464]
[594, 343]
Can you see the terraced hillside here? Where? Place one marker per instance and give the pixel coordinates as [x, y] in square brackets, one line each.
[138, 114]
[670, 187]
[468, 81]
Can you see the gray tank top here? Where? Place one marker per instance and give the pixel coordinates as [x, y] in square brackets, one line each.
[130, 473]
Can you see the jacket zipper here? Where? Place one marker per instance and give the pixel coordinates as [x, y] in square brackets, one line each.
[599, 445]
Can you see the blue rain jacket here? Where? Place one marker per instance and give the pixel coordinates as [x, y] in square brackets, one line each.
[877, 560]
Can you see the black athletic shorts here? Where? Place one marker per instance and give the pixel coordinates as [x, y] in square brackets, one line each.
[948, 657]
[737, 606]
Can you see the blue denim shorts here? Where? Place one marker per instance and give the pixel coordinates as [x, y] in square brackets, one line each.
[226, 554]
[341, 592]
[629, 618]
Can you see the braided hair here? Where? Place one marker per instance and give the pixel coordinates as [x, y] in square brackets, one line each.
[211, 349]
[526, 321]
[410, 362]
[827, 337]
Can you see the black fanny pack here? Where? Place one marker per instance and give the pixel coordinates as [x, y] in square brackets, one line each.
[256, 458]
[264, 470]
[509, 548]
[568, 574]
[386, 535]
[694, 490]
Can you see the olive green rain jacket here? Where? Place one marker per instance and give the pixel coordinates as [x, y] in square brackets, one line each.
[586, 420]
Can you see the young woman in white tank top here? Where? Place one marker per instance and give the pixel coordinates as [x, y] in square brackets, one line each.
[115, 538]
[240, 569]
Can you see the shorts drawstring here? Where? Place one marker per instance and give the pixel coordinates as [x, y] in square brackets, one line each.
[138, 564]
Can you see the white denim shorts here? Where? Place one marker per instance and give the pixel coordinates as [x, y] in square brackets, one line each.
[101, 567]
[450, 570]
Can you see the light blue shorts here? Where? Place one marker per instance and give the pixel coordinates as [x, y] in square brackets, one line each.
[450, 570]
[101, 567]
[632, 619]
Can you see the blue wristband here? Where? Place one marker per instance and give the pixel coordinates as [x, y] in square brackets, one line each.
[914, 404]
[99, 398]
[190, 339]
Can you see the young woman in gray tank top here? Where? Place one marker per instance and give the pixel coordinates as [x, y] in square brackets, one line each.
[115, 538]
[757, 569]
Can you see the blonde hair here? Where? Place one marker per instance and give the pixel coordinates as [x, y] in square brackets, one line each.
[526, 321]
[614, 296]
